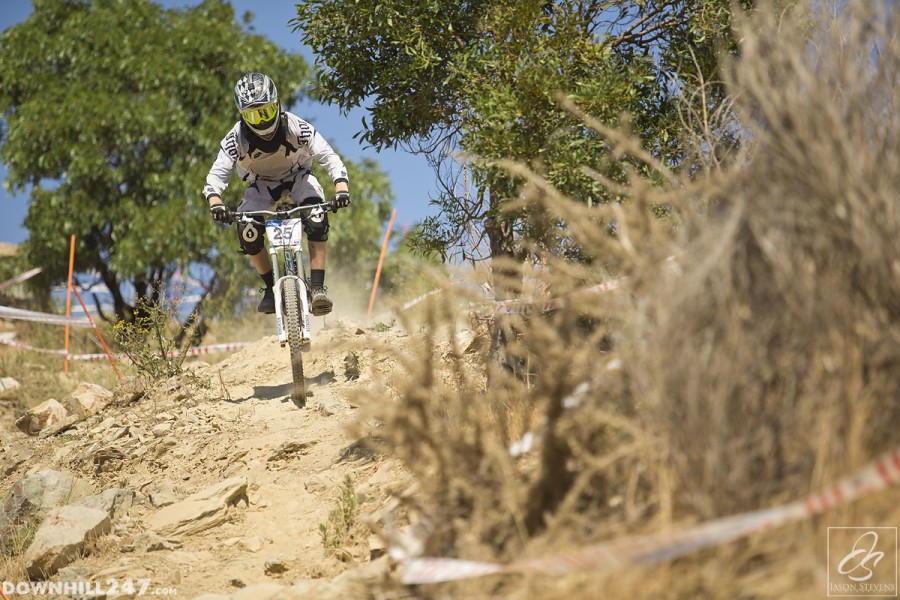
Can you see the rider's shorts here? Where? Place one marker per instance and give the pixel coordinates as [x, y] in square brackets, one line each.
[262, 195]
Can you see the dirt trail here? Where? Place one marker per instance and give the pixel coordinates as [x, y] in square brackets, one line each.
[179, 441]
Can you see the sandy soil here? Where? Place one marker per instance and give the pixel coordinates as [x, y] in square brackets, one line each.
[179, 440]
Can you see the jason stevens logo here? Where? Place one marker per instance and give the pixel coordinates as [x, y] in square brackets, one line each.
[862, 561]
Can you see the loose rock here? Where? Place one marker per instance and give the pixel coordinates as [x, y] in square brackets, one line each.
[43, 415]
[87, 399]
[42, 491]
[115, 502]
[60, 538]
[200, 511]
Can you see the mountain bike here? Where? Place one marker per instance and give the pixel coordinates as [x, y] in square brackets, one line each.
[284, 233]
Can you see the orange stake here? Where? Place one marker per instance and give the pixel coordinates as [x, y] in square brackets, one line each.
[99, 337]
[69, 298]
[384, 244]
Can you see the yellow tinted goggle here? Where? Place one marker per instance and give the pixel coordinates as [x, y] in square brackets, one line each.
[259, 114]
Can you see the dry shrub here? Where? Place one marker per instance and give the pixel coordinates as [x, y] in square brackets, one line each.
[443, 433]
[779, 337]
[756, 344]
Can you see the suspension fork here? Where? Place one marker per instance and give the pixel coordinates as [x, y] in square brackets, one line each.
[299, 273]
[279, 297]
[292, 270]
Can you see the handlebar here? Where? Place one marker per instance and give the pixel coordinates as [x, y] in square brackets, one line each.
[247, 215]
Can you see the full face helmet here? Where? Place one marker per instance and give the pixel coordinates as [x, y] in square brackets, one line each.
[257, 101]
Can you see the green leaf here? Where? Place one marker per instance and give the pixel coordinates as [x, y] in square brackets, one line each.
[147, 95]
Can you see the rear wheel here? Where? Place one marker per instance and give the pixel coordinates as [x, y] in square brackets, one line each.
[291, 305]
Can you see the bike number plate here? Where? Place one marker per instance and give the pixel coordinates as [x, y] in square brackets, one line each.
[288, 232]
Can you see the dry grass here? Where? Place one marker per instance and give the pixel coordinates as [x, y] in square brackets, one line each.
[12, 557]
[755, 345]
[42, 375]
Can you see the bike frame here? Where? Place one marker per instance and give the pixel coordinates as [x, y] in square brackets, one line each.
[285, 237]
[284, 234]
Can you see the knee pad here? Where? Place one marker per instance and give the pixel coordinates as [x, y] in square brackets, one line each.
[316, 224]
[251, 237]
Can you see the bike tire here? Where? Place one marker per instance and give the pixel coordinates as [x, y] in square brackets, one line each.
[291, 297]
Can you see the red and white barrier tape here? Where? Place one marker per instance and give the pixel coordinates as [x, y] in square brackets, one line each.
[20, 278]
[878, 475]
[199, 350]
[522, 307]
[8, 312]
[15, 344]
[192, 351]
[415, 301]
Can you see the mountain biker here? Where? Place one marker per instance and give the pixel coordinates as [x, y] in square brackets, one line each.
[273, 151]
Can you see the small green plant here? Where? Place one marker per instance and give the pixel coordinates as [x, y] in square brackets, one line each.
[154, 341]
[337, 531]
[382, 327]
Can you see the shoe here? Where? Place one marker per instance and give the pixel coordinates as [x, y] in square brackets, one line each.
[267, 304]
[321, 304]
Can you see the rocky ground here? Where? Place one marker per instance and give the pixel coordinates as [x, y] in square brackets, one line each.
[224, 492]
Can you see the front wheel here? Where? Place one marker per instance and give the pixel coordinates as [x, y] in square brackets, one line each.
[291, 297]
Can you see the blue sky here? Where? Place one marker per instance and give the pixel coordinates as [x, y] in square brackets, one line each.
[412, 179]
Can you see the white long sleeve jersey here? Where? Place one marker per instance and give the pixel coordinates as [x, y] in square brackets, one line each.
[288, 155]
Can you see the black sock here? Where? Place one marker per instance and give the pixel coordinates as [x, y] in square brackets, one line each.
[317, 278]
[269, 279]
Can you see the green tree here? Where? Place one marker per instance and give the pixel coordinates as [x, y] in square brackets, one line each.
[407, 273]
[354, 234]
[113, 111]
[480, 77]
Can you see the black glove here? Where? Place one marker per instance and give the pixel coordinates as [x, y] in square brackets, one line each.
[220, 213]
[341, 200]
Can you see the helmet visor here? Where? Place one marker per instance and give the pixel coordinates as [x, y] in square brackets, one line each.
[259, 114]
